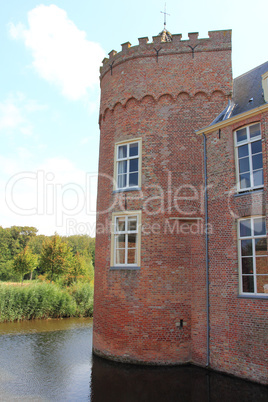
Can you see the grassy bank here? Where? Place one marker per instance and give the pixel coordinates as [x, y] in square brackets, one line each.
[44, 300]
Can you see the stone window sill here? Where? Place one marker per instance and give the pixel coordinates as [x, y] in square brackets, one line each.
[123, 190]
[124, 267]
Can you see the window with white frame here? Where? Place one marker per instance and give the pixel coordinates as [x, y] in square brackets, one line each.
[249, 157]
[253, 256]
[128, 165]
[126, 240]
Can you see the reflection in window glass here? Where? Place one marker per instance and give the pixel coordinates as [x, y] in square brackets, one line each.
[126, 240]
[249, 157]
[127, 165]
[253, 256]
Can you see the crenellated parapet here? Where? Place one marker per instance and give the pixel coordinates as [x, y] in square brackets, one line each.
[217, 40]
[154, 69]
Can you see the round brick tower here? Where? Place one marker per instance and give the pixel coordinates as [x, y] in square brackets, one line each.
[150, 282]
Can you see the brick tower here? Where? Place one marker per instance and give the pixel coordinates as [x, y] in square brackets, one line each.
[150, 275]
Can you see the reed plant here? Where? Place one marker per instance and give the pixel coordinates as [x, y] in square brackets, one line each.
[44, 300]
[83, 296]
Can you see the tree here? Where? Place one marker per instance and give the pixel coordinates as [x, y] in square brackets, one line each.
[56, 256]
[24, 262]
[81, 268]
[83, 244]
[20, 237]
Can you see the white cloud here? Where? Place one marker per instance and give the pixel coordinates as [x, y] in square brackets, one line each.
[61, 53]
[15, 111]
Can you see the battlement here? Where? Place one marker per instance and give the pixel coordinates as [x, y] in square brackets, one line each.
[217, 40]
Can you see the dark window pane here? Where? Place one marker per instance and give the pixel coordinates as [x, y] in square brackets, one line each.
[247, 265]
[244, 180]
[262, 265]
[261, 246]
[133, 179]
[241, 134]
[246, 247]
[243, 151]
[258, 178]
[122, 151]
[259, 226]
[133, 149]
[243, 165]
[255, 130]
[245, 228]
[132, 240]
[257, 161]
[256, 147]
[262, 284]
[133, 165]
[248, 284]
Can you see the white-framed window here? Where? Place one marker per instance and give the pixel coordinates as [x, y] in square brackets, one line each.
[253, 256]
[128, 165]
[126, 240]
[249, 157]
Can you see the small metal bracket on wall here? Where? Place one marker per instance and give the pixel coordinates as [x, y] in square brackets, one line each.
[193, 48]
[111, 67]
[157, 51]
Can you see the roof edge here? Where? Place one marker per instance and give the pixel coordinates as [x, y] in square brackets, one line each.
[249, 71]
[234, 119]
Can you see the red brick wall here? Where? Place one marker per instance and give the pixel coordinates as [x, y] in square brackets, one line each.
[137, 313]
[239, 326]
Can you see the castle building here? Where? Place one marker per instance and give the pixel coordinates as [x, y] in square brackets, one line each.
[181, 271]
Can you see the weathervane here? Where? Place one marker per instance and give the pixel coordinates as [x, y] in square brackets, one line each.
[165, 15]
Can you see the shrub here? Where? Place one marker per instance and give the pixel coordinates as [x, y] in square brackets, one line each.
[83, 296]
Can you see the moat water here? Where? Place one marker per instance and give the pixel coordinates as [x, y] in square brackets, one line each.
[52, 361]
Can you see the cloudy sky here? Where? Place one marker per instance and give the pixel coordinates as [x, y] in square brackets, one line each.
[49, 93]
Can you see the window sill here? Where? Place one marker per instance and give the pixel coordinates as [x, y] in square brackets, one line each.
[124, 267]
[247, 192]
[122, 190]
[264, 297]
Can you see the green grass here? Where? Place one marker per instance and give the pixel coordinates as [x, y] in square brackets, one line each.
[44, 300]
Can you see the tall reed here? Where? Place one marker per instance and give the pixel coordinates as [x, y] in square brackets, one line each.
[43, 300]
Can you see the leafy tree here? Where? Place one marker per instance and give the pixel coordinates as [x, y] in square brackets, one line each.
[56, 256]
[81, 268]
[20, 237]
[6, 264]
[36, 244]
[24, 262]
[7, 271]
[26, 234]
[83, 244]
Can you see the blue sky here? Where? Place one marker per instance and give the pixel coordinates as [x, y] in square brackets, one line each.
[49, 93]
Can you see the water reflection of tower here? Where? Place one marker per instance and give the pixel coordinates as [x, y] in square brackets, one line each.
[150, 283]
[115, 382]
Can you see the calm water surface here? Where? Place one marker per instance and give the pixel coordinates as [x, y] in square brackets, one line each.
[52, 361]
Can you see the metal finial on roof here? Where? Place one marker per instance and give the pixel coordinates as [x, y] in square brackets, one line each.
[165, 34]
[165, 15]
